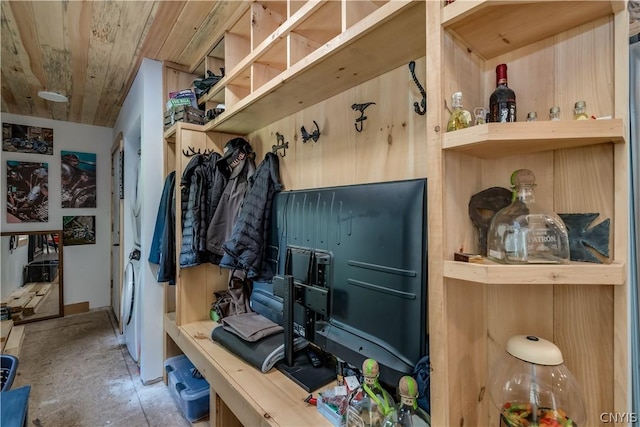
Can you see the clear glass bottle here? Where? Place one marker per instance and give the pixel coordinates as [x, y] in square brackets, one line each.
[580, 111]
[530, 386]
[407, 413]
[523, 233]
[480, 115]
[370, 403]
[460, 118]
[554, 114]
[532, 116]
[502, 102]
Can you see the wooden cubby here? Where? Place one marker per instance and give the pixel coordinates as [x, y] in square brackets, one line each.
[575, 52]
[291, 63]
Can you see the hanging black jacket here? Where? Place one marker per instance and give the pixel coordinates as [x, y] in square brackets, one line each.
[163, 251]
[191, 189]
[202, 185]
[246, 248]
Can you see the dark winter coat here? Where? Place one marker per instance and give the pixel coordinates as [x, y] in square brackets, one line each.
[246, 248]
[163, 251]
[191, 189]
[215, 183]
[228, 209]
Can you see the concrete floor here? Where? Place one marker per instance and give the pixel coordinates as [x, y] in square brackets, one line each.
[82, 375]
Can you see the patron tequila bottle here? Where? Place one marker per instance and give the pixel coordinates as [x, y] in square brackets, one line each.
[522, 233]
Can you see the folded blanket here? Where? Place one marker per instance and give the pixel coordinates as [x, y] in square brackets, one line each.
[262, 354]
[250, 326]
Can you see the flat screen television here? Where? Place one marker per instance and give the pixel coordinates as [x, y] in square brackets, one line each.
[358, 257]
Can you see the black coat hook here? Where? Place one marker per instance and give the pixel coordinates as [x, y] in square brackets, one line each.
[361, 108]
[422, 107]
[282, 145]
[307, 136]
[190, 152]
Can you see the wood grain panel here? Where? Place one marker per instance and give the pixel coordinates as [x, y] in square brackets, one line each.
[186, 25]
[211, 31]
[104, 27]
[56, 57]
[390, 147]
[583, 330]
[19, 47]
[133, 23]
[78, 22]
[466, 353]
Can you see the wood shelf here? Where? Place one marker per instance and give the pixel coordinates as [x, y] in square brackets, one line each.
[490, 28]
[253, 396]
[170, 133]
[349, 59]
[493, 140]
[576, 273]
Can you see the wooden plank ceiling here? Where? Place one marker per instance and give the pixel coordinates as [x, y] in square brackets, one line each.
[91, 50]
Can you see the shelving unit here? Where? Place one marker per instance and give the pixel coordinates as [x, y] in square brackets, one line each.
[260, 90]
[576, 51]
[291, 63]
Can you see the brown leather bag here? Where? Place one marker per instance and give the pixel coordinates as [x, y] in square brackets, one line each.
[235, 300]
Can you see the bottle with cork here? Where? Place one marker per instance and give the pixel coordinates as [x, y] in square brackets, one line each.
[369, 403]
[407, 413]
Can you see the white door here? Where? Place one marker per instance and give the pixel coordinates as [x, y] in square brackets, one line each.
[117, 206]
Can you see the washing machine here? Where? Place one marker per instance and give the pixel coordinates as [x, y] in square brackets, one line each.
[129, 306]
[131, 292]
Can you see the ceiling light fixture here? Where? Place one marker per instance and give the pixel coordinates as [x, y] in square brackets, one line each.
[52, 96]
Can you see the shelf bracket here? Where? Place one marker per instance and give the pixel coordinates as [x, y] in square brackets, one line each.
[307, 136]
[281, 146]
[420, 108]
[362, 118]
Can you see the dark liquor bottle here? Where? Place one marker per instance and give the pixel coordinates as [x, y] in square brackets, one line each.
[502, 103]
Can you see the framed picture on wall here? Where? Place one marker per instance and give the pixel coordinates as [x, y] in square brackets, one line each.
[78, 178]
[79, 230]
[27, 192]
[27, 139]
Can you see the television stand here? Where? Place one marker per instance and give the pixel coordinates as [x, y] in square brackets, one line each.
[297, 366]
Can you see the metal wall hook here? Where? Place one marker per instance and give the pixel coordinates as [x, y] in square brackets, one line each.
[190, 152]
[282, 145]
[420, 108]
[361, 108]
[307, 136]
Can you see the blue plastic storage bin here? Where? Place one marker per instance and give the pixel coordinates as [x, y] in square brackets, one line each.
[191, 392]
[9, 366]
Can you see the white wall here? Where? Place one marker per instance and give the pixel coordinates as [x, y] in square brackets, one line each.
[86, 267]
[12, 263]
[141, 117]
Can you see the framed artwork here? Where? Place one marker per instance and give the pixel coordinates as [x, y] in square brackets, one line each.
[27, 192]
[27, 139]
[78, 179]
[79, 230]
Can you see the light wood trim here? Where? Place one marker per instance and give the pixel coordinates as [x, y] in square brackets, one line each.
[621, 332]
[77, 308]
[576, 273]
[492, 140]
[437, 308]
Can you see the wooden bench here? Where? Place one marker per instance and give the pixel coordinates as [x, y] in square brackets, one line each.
[240, 394]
